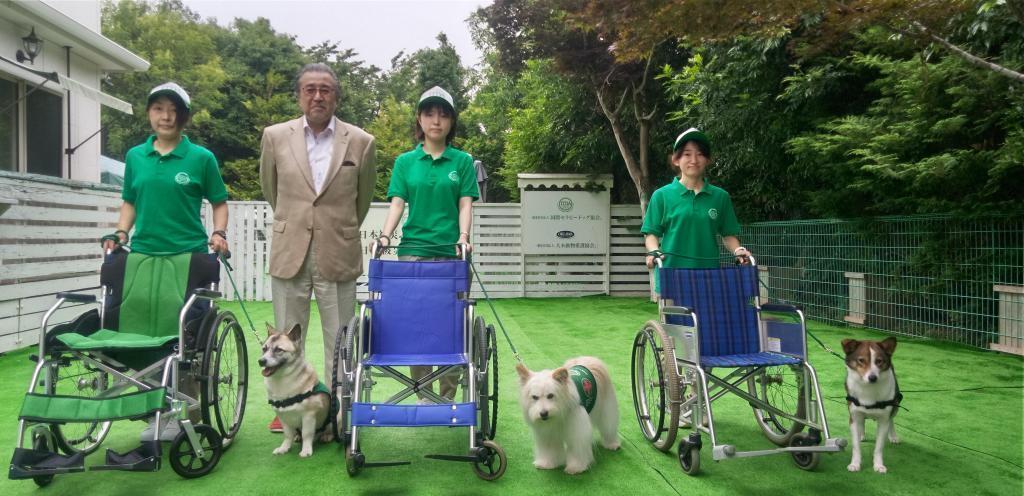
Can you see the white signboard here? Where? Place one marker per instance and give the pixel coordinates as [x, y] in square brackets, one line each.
[565, 222]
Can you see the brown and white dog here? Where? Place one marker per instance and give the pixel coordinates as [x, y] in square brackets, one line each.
[871, 392]
[292, 390]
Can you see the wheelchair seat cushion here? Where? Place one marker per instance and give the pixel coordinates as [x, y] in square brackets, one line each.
[763, 359]
[106, 339]
[379, 359]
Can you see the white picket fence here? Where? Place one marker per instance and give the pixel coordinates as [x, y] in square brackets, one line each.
[502, 268]
[49, 243]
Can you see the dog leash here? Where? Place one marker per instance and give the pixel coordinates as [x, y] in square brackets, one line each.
[228, 269]
[487, 298]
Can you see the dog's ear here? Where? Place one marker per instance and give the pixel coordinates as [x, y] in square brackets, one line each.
[850, 345]
[524, 373]
[561, 374]
[270, 329]
[889, 345]
[296, 333]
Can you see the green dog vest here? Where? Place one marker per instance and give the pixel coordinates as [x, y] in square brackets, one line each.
[586, 385]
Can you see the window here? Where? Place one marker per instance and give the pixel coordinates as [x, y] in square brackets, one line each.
[8, 125]
[42, 123]
[31, 139]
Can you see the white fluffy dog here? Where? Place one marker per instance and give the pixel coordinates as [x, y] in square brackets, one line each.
[556, 404]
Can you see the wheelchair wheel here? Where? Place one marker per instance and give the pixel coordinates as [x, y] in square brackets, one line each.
[70, 376]
[806, 460]
[486, 362]
[689, 459]
[491, 461]
[655, 385]
[42, 441]
[344, 347]
[226, 369]
[184, 459]
[781, 387]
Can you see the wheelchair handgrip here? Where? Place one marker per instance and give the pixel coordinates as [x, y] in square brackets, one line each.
[77, 297]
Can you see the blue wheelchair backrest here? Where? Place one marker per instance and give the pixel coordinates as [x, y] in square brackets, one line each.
[723, 301]
[419, 311]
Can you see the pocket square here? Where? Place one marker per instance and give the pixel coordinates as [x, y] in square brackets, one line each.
[348, 163]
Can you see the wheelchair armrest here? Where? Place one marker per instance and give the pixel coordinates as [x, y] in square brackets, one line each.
[207, 293]
[780, 307]
[672, 310]
[77, 297]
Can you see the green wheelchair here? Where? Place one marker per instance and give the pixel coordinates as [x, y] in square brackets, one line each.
[155, 346]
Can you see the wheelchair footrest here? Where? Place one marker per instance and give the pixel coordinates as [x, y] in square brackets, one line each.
[28, 463]
[384, 464]
[145, 458]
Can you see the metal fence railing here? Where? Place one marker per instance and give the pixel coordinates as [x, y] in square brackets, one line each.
[940, 277]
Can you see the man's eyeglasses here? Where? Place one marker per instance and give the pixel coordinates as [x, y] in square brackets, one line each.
[311, 91]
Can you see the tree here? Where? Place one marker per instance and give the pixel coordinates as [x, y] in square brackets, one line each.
[634, 26]
[179, 49]
[532, 29]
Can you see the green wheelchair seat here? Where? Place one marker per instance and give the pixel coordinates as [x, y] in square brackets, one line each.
[145, 295]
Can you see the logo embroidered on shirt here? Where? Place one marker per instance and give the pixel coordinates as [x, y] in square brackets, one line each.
[454, 176]
[182, 178]
[713, 213]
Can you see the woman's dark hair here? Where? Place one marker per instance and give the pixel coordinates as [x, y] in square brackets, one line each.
[703, 149]
[181, 113]
[420, 136]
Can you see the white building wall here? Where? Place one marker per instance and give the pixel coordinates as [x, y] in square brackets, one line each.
[85, 112]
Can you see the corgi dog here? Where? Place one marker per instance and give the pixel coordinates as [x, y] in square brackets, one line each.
[563, 407]
[300, 400]
[871, 392]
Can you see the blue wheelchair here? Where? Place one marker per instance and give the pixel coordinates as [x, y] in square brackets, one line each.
[418, 314]
[711, 320]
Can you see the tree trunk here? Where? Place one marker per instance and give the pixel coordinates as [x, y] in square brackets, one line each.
[637, 169]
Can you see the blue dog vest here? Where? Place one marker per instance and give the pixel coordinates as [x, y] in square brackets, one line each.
[586, 385]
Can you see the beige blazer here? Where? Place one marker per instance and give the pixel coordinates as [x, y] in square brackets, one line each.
[331, 219]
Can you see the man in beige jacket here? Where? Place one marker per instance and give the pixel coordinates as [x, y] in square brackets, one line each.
[318, 174]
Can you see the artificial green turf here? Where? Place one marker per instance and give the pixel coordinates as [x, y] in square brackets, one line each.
[987, 425]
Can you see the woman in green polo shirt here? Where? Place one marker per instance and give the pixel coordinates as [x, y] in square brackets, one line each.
[438, 182]
[685, 218]
[165, 181]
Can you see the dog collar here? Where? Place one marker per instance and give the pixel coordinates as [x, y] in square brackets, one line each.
[586, 385]
[894, 402]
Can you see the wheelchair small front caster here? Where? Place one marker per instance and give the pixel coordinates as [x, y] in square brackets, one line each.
[491, 461]
[689, 454]
[184, 459]
[806, 460]
[354, 461]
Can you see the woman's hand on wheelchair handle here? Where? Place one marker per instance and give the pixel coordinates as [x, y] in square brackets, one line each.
[218, 243]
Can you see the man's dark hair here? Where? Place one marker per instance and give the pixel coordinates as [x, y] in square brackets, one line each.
[317, 67]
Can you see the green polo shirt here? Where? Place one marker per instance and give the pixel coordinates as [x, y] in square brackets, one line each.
[689, 224]
[167, 192]
[431, 189]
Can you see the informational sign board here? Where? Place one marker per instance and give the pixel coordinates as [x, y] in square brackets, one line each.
[565, 222]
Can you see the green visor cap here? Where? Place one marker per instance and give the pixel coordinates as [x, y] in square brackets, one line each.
[436, 94]
[172, 91]
[692, 134]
